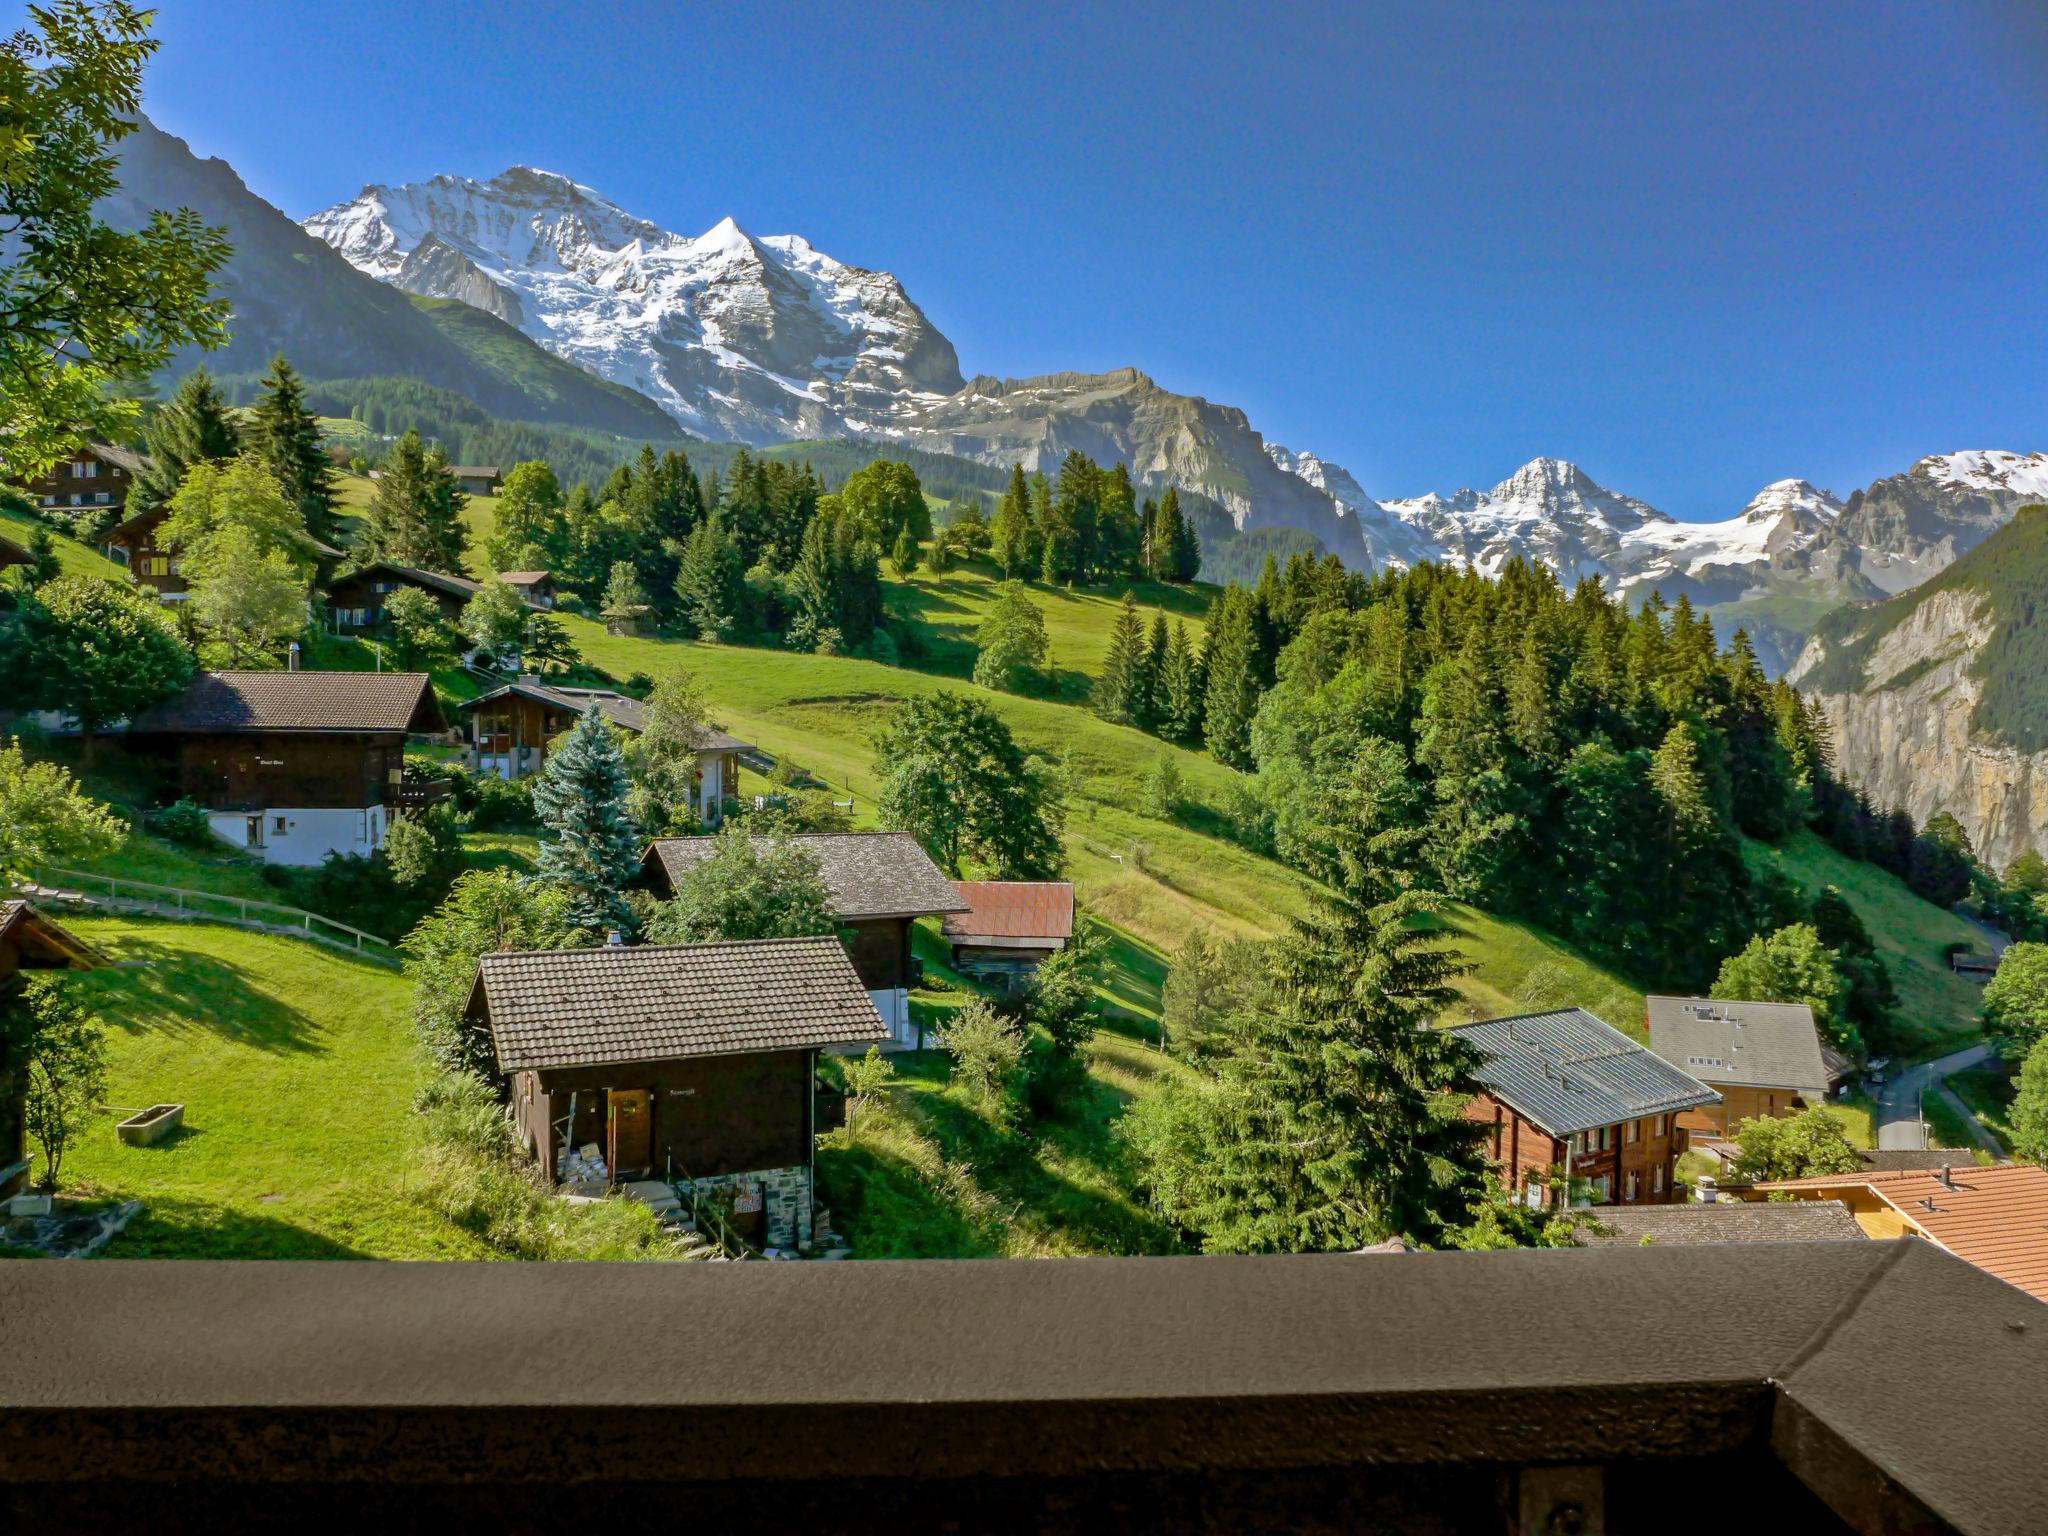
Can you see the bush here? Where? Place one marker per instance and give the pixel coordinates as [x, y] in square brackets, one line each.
[987, 1050]
[502, 804]
[1165, 790]
[185, 824]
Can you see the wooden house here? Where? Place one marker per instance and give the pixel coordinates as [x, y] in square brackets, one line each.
[535, 588]
[137, 545]
[880, 883]
[29, 942]
[693, 1064]
[478, 479]
[1008, 927]
[507, 732]
[1763, 1059]
[1570, 1092]
[1973, 966]
[94, 477]
[291, 766]
[355, 599]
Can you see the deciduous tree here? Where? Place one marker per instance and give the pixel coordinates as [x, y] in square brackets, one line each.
[954, 777]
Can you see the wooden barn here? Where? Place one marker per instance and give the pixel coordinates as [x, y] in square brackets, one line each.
[1569, 1091]
[291, 766]
[880, 882]
[355, 599]
[29, 942]
[1009, 926]
[694, 1064]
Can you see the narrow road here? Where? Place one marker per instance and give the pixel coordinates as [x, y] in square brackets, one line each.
[1899, 1126]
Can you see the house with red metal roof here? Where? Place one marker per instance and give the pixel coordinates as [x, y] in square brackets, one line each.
[1009, 927]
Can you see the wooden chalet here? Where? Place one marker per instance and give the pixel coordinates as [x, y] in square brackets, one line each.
[355, 599]
[880, 883]
[1763, 1059]
[136, 545]
[693, 1064]
[478, 479]
[29, 942]
[93, 477]
[1973, 966]
[508, 730]
[535, 588]
[1008, 927]
[291, 766]
[1569, 1092]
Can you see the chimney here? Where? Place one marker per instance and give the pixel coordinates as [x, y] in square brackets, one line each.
[1948, 1178]
[614, 940]
[291, 657]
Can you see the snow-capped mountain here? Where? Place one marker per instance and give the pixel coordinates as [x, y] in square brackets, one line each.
[761, 339]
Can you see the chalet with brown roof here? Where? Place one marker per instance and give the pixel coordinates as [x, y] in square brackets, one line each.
[291, 766]
[535, 588]
[1569, 1092]
[478, 479]
[1009, 927]
[880, 883]
[355, 599]
[507, 733]
[1995, 1218]
[692, 1064]
[29, 942]
[1764, 1059]
[137, 544]
[93, 477]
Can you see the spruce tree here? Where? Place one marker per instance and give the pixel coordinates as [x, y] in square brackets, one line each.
[1180, 690]
[446, 534]
[1119, 691]
[1183, 549]
[195, 426]
[285, 435]
[1232, 694]
[707, 584]
[589, 845]
[415, 518]
[903, 558]
[1152, 670]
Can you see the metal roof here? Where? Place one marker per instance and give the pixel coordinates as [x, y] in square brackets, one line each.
[1746, 1044]
[1567, 1072]
[870, 874]
[1012, 909]
[661, 1002]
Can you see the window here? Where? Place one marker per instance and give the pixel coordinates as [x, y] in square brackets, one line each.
[49, 501]
[157, 565]
[1600, 1190]
[84, 469]
[1657, 1180]
[101, 498]
[1635, 1132]
[1630, 1187]
[279, 825]
[1606, 1137]
[254, 838]
[77, 499]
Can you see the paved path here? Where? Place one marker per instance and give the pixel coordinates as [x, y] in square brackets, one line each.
[1899, 1126]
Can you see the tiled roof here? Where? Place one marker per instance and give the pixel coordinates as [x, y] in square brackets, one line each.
[19, 920]
[454, 586]
[1755, 1045]
[341, 702]
[870, 874]
[1724, 1221]
[1995, 1218]
[658, 1002]
[1013, 909]
[1568, 1072]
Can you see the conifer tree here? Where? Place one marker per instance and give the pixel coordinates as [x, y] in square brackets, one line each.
[1151, 707]
[1049, 564]
[1119, 691]
[415, 518]
[1180, 688]
[903, 558]
[285, 435]
[1231, 661]
[589, 845]
[195, 426]
[1010, 534]
[707, 583]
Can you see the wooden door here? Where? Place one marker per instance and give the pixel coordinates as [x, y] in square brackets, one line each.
[631, 1128]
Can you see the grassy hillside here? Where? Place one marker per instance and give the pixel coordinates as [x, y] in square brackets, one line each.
[1936, 1007]
[77, 559]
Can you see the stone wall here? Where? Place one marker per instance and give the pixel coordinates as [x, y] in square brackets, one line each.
[786, 1207]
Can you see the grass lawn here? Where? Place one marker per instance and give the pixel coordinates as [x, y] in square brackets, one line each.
[1854, 1115]
[73, 558]
[1987, 1092]
[295, 1067]
[1938, 1010]
[1945, 1126]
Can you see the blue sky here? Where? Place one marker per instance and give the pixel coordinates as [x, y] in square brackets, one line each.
[1693, 247]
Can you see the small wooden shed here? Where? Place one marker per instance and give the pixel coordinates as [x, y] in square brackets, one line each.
[1009, 926]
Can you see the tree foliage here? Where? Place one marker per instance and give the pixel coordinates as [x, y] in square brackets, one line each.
[589, 845]
[100, 652]
[45, 818]
[1791, 966]
[954, 777]
[747, 888]
[2016, 998]
[1800, 1146]
[54, 1048]
[1013, 648]
[415, 517]
[486, 911]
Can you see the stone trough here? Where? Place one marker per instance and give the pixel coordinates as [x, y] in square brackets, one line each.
[151, 1125]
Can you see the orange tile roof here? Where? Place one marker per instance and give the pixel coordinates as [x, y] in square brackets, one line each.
[1013, 909]
[1995, 1218]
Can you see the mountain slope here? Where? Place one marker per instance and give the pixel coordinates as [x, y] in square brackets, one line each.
[292, 294]
[1938, 698]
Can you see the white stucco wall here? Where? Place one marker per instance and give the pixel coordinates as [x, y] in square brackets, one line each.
[308, 836]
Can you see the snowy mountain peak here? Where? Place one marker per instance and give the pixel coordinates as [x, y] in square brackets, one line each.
[1989, 469]
[759, 339]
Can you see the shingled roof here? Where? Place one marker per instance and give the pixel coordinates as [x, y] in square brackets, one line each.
[660, 1002]
[1568, 1071]
[12, 553]
[43, 942]
[336, 703]
[1723, 1221]
[1012, 910]
[412, 575]
[869, 874]
[1755, 1045]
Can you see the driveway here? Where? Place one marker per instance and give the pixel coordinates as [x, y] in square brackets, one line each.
[1899, 1126]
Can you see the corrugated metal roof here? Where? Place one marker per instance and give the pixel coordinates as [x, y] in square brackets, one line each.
[1568, 1072]
[1012, 909]
[1754, 1045]
[870, 874]
[659, 1002]
[1995, 1218]
[339, 702]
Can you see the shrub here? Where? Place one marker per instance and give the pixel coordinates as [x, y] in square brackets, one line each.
[1165, 791]
[184, 823]
[987, 1050]
[502, 803]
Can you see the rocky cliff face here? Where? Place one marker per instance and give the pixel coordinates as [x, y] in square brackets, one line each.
[1904, 727]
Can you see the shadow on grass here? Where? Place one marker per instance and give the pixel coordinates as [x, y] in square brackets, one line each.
[179, 991]
[886, 1208]
[171, 1227]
